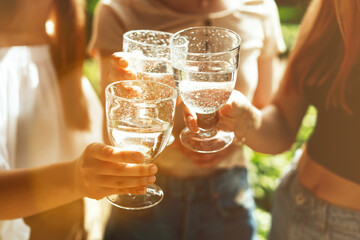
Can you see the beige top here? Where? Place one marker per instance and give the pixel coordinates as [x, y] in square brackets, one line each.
[256, 21]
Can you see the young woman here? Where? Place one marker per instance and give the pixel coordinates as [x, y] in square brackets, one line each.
[320, 197]
[44, 119]
[207, 196]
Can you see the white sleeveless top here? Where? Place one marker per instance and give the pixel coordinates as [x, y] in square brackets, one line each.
[32, 126]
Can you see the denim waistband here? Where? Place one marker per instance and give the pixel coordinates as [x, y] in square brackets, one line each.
[323, 214]
[225, 181]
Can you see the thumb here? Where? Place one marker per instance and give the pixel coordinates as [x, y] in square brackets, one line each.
[120, 60]
[112, 154]
[190, 119]
[225, 110]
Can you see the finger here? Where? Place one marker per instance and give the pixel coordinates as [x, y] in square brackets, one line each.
[121, 182]
[112, 154]
[226, 121]
[191, 124]
[190, 120]
[227, 124]
[119, 61]
[121, 74]
[186, 111]
[178, 101]
[225, 110]
[124, 169]
[131, 91]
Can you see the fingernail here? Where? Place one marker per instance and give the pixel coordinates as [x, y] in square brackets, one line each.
[151, 179]
[122, 63]
[129, 75]
[153, 169]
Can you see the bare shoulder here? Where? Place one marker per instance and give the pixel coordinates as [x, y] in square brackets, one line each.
[20, 12]
[24, 19]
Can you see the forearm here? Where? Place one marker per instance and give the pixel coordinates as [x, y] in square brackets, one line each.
[100, 171]
[271, 135]
[26, 192]
[278, 122]
[267, 85]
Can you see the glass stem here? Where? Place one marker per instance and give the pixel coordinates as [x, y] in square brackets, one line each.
[207, 124]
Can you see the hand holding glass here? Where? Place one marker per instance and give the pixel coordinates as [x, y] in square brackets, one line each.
[205, 62]
[140, 117]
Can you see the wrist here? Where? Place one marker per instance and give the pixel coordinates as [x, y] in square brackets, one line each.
[73, 179]
[257, 118]
[250, 121]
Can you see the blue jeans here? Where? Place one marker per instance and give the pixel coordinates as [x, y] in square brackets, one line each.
[299, 215]
[192, 209]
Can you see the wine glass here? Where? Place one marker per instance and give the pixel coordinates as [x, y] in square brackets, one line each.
[205, 62]
[149, 56]
[140, 116]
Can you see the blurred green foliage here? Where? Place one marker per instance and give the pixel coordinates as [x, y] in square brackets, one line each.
[291, 14]
[89, 11]
[290, 17]
[289, 31]
[91, 72]
[90, 5]
[263, 223]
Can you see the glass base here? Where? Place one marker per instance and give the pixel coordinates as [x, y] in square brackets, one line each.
[152, 197]
[211, 144]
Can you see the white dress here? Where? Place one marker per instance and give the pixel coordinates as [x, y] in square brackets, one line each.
[32, 126]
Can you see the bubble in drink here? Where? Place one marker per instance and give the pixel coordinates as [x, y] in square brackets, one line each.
[166, 78]
[206, 86]
[148, 136]
[205, 100]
